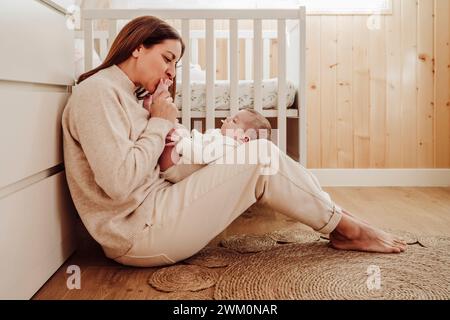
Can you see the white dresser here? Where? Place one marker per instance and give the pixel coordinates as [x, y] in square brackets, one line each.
[36, 212]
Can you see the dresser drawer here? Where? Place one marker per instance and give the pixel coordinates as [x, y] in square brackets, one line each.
[36, 236]
[36, 45]
[30, 132]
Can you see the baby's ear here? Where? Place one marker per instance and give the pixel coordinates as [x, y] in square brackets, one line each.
[245, 138]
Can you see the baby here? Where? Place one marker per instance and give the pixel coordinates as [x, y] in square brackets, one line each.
[185, 153]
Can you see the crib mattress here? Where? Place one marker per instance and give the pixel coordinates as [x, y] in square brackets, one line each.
[246, 94]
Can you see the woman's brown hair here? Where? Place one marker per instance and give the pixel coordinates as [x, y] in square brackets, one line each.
[145, 30]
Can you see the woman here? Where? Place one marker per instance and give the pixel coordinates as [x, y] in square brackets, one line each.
[112, 145]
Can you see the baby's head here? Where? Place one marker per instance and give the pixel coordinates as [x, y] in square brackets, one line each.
[246, 125]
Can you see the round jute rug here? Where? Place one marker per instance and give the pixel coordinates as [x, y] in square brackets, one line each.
[214, 257]
[183, 278]
[185, 295]
[294, 236]
[316, 271]
[409, 237]
[434, 241]
[247, 243]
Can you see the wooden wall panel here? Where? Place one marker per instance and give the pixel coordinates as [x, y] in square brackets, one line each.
[328, 90]
[442, 83]
[313, 91]
[361, 76]
[398, 114]
[425, 84]
[344, 92]
[409, 83]
[393, 90]
[377, 106]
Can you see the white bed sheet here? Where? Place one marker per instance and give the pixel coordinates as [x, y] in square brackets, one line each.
[245, 98]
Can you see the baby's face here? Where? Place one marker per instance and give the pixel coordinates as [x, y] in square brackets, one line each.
[236, 125]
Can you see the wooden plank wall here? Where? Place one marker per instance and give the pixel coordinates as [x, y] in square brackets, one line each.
[379, 88]
[442, 83]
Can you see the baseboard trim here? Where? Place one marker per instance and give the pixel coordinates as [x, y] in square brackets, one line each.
[383, 177]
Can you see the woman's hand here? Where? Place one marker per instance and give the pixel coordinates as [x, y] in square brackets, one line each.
[163, 107]
[160, 104]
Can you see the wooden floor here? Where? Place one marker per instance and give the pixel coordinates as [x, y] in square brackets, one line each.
[419, 210]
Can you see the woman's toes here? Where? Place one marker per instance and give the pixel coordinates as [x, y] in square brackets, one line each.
[396, 249]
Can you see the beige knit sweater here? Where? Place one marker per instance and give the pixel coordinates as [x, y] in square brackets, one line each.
[111, 151]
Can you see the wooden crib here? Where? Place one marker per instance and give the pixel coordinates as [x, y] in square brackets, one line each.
[290, 61]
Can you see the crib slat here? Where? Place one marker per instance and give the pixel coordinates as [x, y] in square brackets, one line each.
[266, 58]
[186, 88]
[227, 66]
[282, 84]
[270, 113]
[88, 44]
[302, 87]
[218, 14]
[258, 63]
[194, 50]
[210, 73]
[112, 30]
[103, 47]
[248, 58]
[234, 66]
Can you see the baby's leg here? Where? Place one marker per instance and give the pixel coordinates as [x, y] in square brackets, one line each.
[168, 158]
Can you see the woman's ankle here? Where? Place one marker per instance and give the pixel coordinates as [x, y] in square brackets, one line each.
[347, 228]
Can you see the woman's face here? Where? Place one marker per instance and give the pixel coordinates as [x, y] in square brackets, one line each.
[157, 62]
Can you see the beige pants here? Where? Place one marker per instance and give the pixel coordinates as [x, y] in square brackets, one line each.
[198, 208]
[178, 172]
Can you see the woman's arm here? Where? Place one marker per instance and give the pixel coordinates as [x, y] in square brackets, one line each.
[102, 128]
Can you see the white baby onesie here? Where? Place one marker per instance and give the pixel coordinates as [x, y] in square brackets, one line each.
[204, 148]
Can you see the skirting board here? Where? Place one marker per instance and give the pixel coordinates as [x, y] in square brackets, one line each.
[383, 177]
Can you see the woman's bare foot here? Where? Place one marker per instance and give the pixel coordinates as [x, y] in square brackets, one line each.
[354, 217]
[352, 234]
